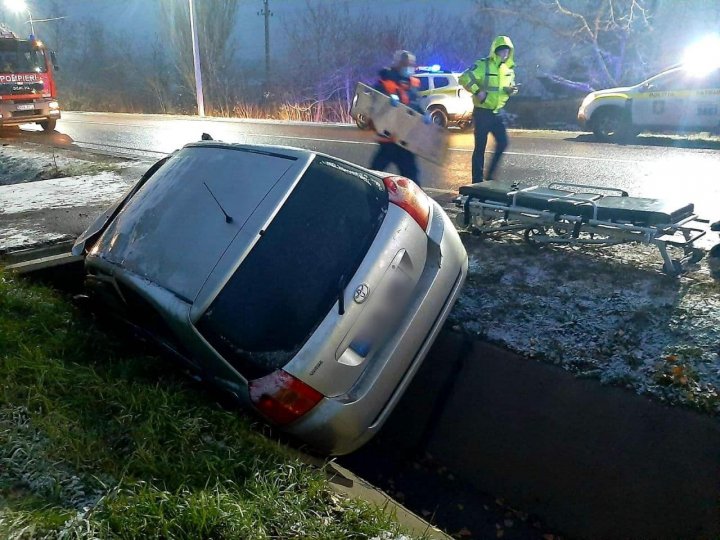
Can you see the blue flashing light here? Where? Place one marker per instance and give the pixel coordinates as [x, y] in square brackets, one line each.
[435, 68]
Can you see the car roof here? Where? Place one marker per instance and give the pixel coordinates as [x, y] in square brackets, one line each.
[267, 149]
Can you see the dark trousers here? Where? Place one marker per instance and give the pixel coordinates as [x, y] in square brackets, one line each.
[388, 153]
[486, 121]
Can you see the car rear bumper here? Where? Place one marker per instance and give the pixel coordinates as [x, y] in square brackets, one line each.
[342, 424]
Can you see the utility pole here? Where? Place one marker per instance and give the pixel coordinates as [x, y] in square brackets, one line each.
[196, 61]
[265, 11]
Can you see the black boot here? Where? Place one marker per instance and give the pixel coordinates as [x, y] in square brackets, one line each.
[715, 226]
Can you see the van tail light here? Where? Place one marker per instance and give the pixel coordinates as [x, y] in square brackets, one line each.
[282, 398]
[407, 195]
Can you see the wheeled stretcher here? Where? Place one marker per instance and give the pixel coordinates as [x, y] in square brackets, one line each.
[565, 213]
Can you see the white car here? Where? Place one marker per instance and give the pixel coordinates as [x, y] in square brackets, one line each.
[679, 99]
[448, 103]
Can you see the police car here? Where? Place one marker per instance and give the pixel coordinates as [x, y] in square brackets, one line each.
[679, 99]
[448, 103]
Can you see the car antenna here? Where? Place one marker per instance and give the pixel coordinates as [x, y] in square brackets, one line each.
[228, 219]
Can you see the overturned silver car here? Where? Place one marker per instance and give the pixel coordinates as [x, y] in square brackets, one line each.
[307, 287]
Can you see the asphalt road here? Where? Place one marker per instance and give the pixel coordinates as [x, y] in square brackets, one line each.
[681, 169]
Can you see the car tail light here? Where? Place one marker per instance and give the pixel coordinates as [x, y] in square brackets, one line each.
[282, 398]
[407, 195]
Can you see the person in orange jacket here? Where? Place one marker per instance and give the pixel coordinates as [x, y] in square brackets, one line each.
[398, 82]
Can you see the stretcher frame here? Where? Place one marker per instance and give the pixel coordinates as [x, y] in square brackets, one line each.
[486, 217]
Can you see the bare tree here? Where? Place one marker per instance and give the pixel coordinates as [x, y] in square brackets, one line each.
[333, 45]
[608, 39]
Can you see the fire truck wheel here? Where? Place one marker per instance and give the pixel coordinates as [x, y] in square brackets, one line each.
[48, 125]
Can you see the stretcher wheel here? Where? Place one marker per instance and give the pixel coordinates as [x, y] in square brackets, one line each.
[530, 234]
[562, 228]
[696, 256]
[674, 269]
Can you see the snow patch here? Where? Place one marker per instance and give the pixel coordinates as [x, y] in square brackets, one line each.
[19, 165]
[68, 192]
[12, 239]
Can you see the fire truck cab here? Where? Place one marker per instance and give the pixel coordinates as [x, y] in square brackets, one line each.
[27, 84]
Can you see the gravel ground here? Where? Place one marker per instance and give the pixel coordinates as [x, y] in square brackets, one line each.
[607, 313]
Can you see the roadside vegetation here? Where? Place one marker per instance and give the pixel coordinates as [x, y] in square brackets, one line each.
[99, 439]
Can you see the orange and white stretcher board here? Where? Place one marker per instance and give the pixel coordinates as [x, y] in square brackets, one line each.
[402, 123]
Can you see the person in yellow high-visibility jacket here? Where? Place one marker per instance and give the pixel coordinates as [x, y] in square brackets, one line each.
[491, 81]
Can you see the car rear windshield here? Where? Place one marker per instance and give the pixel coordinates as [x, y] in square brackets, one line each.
[293, 275]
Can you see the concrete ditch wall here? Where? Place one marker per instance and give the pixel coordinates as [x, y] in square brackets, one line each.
[592, 461]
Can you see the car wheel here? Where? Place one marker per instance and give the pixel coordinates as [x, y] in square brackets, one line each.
[362, 121]
[48, 125]
[439, 116]
[611, 124]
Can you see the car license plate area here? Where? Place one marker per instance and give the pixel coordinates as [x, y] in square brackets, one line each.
[25, 107]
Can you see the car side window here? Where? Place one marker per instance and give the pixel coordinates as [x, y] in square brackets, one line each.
[424, 83]
[441, 82]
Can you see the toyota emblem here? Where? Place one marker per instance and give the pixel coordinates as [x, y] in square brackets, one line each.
[361, 293]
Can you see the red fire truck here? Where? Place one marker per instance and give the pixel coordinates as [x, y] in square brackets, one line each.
[27, 84]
